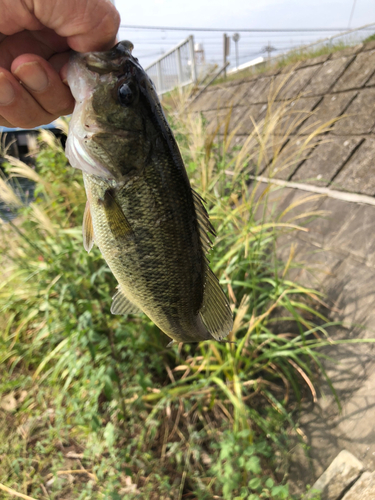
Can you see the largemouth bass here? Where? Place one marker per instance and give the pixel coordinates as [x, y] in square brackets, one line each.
[150, 226]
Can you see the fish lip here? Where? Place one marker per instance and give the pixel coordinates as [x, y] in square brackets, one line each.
[109, 61]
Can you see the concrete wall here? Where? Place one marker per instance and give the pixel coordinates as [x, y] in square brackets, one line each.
[339, 85]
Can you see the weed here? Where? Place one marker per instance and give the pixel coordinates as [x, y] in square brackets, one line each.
[97, 406]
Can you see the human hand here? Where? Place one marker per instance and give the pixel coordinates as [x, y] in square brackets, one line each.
[35, 39]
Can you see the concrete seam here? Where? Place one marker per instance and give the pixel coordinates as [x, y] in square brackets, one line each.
[347, 160]
[330, 193]
[343, 71]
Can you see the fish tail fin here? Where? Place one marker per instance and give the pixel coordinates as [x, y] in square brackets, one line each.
[215, 313]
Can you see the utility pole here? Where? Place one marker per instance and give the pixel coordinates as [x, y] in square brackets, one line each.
[226, 50]
[268, 48]
[236, 37]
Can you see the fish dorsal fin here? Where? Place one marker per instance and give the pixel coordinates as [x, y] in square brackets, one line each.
[118, 223]
[216, 313]
[205, 227]
[87, 229]
[122, 305]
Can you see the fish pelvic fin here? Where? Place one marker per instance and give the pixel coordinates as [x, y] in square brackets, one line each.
[206, 229]
[87, 229]
[117, 221]
[215, 312]
[122, 305]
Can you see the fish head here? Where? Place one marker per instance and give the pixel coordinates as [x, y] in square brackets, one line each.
[110, 132]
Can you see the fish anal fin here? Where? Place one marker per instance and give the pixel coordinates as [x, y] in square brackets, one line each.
[122, 305]
[215, 312]
[204, 225]
[87, 229]
[117, 221]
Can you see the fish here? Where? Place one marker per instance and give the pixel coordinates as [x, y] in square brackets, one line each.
[150, 226]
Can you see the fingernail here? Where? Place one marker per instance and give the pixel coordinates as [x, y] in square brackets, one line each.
[6, 90]
[33, 76]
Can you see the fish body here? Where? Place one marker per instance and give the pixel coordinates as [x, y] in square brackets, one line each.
[150, 226]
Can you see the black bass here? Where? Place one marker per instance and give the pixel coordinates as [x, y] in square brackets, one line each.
[150, 226]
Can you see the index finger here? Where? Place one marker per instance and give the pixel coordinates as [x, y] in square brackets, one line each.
[88, 25]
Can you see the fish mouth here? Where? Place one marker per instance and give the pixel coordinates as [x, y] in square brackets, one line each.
[109, 61]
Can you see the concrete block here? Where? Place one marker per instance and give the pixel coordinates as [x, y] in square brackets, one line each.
[358, 175]
[212, 100]
[369, 45]
[335, 217]
[343, 471]
[326, 160]
[243, 118]
[298, 81]
[359, 117]
[327, 76]
[357, 235]
[296, 114]
[225, 97]
[293, 153]
[206, 100]
[357, 74]
[347, 52]
[241, 90]
[371, 81]
[258, 93]
[314, 61]
[331, 107]
[351, 288]
[363, 488]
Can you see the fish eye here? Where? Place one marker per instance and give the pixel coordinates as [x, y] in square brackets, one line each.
[126, 95]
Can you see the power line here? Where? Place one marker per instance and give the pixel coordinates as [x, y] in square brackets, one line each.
[352, 12]
[243, 30]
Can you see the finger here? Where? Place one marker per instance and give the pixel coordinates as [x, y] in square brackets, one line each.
[4, 123]
[43, 43]
[17, 106]
[58, 61]
[43, 82]
[88, 25]
[16, 16]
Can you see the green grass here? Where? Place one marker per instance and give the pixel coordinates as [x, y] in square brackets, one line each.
[93, 405]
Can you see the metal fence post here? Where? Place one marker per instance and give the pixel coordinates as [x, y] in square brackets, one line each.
[179, 67]
[226, 46]
[192, 59]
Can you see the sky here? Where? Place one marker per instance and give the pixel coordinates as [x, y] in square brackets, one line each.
[235, 14]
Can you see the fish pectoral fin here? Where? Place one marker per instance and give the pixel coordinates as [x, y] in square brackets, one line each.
[87, 229]
[216, 313]
[117, 221]
[122, 305]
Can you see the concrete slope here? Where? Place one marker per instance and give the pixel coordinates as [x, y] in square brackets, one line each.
[337, 255]
[340, 86]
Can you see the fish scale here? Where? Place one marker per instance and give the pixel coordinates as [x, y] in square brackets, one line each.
[149, 225]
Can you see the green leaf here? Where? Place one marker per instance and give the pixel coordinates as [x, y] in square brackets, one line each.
[255, 483]
[253, 465]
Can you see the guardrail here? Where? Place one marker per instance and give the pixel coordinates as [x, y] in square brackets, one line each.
[176, 68]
